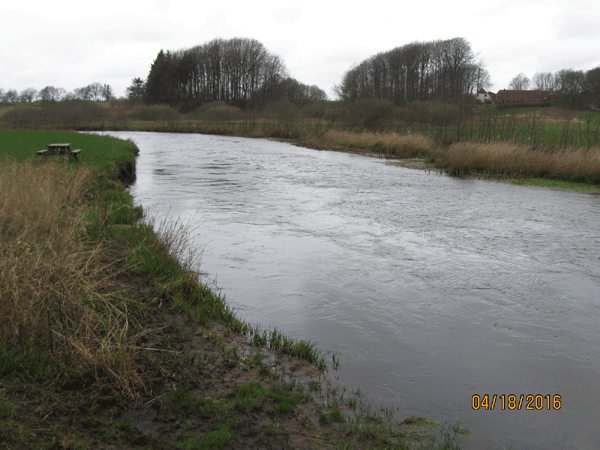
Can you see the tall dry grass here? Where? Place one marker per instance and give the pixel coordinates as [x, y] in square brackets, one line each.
[55, 304]
[390, 144]
[513, 159]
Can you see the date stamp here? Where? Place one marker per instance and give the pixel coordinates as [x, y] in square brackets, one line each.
[513, 402]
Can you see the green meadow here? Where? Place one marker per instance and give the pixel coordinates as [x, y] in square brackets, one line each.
[102, 152]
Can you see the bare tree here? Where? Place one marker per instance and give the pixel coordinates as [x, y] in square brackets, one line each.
[83, 93]
[440, 70]
[60, 93]
[49, 94]
[571, 84]
[520, 82]
[11, 96]
[107, 92]
[543, 81]
[95, 90]
[238, 71]
[593, 84]
[316, 94]
[28, 95]
[482, 77]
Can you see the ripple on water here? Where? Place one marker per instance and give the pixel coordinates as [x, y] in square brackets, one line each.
[431, 289]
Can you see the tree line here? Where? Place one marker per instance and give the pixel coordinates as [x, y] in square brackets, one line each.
[577, 88]
[437, 70]
[92, 92]
[238, 71]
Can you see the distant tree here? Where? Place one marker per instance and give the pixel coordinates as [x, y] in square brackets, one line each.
[543, 81]
[136, 89]
[28, 95]
[437, 70]
[238, 71]
[82, 93]
[51, 94]
[593, 84]
[107, 92]
[159, 85]
[11, 96]
[316, 94]
[571, 84]
[60, 93]
[48, 94]
[95, 89]
[296, 92]
[71, 95]
[482, 77]
[520, 82]
[1, 95]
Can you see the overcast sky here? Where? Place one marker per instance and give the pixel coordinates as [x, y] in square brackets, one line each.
[70, 45]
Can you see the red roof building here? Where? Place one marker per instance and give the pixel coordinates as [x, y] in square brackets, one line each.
[507, 98]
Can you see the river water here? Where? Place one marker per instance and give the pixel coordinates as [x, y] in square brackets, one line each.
[429, 289]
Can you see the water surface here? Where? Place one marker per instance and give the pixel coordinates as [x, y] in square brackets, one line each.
[430, 289]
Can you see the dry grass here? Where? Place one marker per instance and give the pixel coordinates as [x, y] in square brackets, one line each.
[392, 144]
[53, 299]
[516, 159]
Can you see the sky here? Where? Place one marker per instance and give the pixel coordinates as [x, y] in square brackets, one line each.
[70, 45]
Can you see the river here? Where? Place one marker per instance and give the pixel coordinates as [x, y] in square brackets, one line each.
[429, 289]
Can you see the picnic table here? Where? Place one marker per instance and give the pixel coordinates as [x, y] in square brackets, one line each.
[59, 149]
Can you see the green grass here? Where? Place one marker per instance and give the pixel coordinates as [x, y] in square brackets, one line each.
[102, 152]
[213, 440]
[557, 184]
[249, 396]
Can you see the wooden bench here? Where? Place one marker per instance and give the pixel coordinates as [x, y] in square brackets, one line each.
[73, 153]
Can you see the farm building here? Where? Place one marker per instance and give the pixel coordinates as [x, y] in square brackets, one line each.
[508, 98]
[483, 95]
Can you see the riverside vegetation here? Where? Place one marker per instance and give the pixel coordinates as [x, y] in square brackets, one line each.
[550, 146]
[108, 339]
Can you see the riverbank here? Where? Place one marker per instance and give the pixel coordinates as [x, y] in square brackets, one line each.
[519, 144]
[108, 339]
[574, 169]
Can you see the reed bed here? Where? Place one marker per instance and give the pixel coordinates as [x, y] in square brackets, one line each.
[57, 309]
[391, 144]
[512, 159]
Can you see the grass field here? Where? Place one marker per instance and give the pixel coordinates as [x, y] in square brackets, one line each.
[101, 152]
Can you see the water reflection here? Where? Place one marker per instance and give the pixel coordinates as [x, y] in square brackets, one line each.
[430, 289]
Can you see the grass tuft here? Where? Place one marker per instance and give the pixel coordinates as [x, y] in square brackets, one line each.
[518, 160]
[389, 144]
[56, 309]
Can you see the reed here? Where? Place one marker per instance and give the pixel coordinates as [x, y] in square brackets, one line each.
[512, 159]
[56, 307]
[390, 144]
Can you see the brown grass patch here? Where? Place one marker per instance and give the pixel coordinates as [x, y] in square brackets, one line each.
[54, 304]
[391, 144]
[517, 159]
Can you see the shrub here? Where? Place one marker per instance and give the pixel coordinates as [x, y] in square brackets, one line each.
[430, 113]
[217, 112]
[372, 114]
[67, 113]
[154, 113]
[284, 113]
